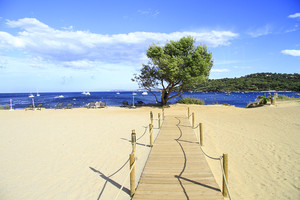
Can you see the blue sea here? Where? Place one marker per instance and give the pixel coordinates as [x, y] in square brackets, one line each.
[50, 100]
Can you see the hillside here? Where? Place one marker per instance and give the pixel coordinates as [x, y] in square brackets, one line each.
[252, 82]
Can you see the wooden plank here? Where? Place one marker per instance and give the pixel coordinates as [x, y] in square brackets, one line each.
[176, 167]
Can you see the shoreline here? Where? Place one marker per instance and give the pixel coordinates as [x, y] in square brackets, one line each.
[153, 106]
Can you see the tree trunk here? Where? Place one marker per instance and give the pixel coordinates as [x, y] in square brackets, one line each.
[164, 98]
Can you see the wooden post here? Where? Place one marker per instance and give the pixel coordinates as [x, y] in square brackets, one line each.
[133, 141]
[189, 112]
[151, 117]
[158, 120]
[201, 134]
[132, 174]
[151, 135]
[225, 167]
[193, 120]
[163, 113]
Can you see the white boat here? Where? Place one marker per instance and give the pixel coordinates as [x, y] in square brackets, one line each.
[86, 93]
[133, 93]
[60, 96]
[31, 96]
[145, 93]
[37, 93]
[118, 93]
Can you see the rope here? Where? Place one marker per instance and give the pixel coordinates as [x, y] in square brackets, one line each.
[125, 181]
[146, 128]
[213, 158]
[224, 177]
[195, 127]
[220, 159]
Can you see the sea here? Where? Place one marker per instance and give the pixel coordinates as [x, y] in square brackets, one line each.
[51, 99]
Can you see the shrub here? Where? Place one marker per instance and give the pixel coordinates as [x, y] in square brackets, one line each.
[188, 100]
[283, 97]
[6, 107]
[226, 104]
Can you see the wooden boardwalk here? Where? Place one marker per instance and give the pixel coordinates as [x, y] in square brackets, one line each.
[176, 167]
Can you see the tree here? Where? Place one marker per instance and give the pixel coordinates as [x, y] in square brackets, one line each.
[176, 65]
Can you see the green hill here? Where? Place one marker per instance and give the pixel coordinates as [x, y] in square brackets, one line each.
[252, 82]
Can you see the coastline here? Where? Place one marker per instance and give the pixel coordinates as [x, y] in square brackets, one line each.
[72, 153]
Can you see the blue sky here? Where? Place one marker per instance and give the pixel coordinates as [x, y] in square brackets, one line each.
[94, 45]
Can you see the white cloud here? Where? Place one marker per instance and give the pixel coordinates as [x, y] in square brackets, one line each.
[267, 29]
[83, 49]
[296, 15]
[220, 70]
[295, 28]
[291, 52]
[150, 12]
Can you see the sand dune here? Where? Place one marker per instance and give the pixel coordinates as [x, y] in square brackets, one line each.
[82, 154]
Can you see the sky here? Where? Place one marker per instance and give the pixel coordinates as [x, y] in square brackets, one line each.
[95, 45]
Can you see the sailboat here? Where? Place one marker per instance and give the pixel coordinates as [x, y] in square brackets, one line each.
[86, 93]
[31, 96]
[37, 93]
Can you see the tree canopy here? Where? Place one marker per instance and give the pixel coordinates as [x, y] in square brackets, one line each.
[177, 64]
[252, 82]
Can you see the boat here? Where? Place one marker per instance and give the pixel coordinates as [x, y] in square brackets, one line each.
[133, 93]
[60, 96]
[118, 93]
[31, 96]
[37, 93]
[145, 93]
[86, 93]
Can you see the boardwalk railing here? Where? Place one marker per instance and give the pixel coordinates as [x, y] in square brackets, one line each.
[132, 157]
[224, 164]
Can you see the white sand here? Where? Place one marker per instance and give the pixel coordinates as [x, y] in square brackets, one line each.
[61, 154]
[263, 145]
[49, 154]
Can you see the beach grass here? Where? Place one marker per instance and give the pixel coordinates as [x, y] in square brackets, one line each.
[188, 100]
[284, 97]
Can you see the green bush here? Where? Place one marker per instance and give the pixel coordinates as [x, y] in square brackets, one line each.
[283, 97]
[188, 100]
[226, 104]
[6, 107]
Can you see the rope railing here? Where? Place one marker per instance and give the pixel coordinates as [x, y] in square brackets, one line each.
[132, 155]
[213, 158]
[117, 196]
[195, 127]
[224, 178]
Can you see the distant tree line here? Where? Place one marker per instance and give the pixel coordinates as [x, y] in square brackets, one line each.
[252, 82]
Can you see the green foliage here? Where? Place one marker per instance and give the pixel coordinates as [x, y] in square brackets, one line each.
[283, 97]
[6, 107]
[188, 100]
[265, 99]
[252, 82]
[178, 64]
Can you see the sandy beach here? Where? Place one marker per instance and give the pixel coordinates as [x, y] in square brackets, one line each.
[83, 153]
